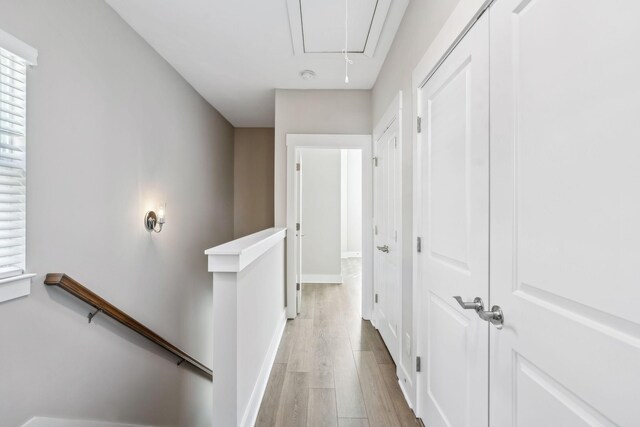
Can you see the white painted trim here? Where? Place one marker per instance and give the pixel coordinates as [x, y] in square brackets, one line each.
[234, 256]
[321, 278]
[60, 422]
[253, 407]
[338, 141]
[375, 31]
[349, 254]
[376, 28]
[15, 287]
[405, 394]
[460, 21]
[18, 47]
[393, 112]
[295, 25]
[406, 385]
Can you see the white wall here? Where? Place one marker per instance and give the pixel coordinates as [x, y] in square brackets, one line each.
[422, 21]
[112, 131]
[321, 215]
[351, 195]
[314, 112]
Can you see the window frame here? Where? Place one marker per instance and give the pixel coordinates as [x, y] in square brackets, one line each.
[19, 285]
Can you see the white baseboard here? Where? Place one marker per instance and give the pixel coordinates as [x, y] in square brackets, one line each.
[321, 278]
[406, 385]
[60, 422]
[251, 413]
[351, 254]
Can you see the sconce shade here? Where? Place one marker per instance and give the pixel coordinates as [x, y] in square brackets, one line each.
[153, 221]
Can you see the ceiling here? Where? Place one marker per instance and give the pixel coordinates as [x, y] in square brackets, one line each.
[235, 53]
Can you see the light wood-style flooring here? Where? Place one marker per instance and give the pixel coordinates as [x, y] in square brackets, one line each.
[332, 367]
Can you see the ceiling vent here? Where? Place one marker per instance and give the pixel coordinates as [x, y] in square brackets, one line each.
[317, 27]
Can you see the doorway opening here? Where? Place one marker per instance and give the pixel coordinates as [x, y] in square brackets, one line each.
[329, 221]
[329, 210]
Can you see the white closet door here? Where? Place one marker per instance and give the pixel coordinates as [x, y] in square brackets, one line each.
[387, 286]
[565, 212]
[455, 225]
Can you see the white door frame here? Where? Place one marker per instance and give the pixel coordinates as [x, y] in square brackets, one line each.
[392, 115]
[459, 23]
[361, 142]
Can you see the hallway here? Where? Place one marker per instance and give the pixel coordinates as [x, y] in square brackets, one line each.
[332, 368]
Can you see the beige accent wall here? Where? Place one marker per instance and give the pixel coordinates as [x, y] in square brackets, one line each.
[315, 112]
[113, 130]
[253, 180]
[422, 22]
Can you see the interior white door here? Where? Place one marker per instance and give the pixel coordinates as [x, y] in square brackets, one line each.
[565, 212]
[387, 253]
[454, 106]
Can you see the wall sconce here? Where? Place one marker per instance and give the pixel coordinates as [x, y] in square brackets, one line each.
[153, 221]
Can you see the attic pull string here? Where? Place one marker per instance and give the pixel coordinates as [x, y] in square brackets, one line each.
[345, 51]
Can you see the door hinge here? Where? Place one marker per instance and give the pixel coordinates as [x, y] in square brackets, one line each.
[297, 286]
[419, 244]
[396, 237]
[376, 298]
[375, 230]
[297, 226]
[375, 161]
[418, 364]
[395, 142]
[297, 166]
[419, 124]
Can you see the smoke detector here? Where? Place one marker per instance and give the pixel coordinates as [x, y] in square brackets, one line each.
[307, 74]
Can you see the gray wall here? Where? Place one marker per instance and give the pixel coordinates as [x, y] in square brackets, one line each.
[421, 23]
[253, 180]
[315, 112]
[321, 213]
[112, 131]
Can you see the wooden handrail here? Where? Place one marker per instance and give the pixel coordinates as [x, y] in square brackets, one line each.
[76, 289]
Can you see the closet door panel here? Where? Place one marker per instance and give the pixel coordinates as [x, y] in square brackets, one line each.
[565, 203]
[455, 254]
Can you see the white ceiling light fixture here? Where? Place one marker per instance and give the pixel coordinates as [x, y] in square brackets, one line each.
[307, 74]
[345, 51]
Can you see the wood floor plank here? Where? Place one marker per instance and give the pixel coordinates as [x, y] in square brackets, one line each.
[307, 306]
[329, 354]
[357, 330]
[300, 358]
[380, 409]
[286, 343]
[376, 345]
[271, 401]
[321, 369]
[353, 422]
[322, 408]
[405, 414]
[349, 398]
[294, 400]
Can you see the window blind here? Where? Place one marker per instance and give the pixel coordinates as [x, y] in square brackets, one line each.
[13, 108]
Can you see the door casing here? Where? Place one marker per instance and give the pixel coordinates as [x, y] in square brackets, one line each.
[338, 141]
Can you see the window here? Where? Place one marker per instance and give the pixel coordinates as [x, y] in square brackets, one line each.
[15, 59]
[13, 114]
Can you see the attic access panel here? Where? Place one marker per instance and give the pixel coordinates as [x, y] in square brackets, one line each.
[317, 26]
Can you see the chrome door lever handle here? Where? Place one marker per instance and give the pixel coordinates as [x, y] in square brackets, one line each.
[384, 248]
[494, 316]
[477, 303]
